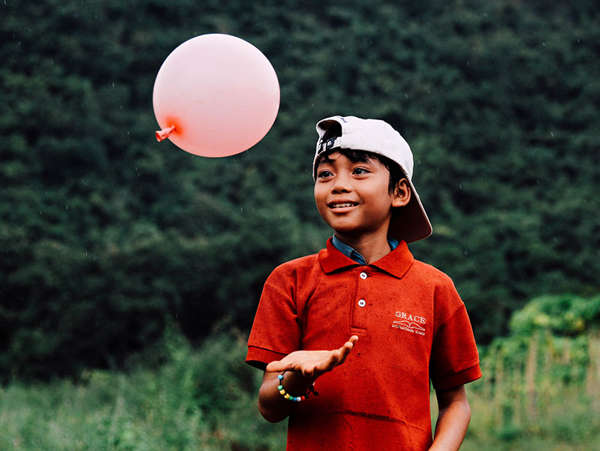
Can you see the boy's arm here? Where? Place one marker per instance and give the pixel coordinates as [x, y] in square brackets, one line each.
[301, 369]
[453, 419]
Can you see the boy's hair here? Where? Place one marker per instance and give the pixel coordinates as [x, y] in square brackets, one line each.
[355, 156]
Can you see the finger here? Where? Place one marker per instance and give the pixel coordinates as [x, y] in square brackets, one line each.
[335, 358]
[308, 372]
[343, 352]
[278, 366]
[346, 348]
[327, 364]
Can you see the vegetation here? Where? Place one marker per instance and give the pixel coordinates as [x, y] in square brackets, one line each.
[201, 399]
[540, 391]
[106, 235]
[110, 242]
[541, 384]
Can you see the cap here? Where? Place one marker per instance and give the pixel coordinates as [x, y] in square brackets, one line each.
[378, 137]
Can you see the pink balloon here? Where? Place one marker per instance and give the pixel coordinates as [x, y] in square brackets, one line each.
[215, 95]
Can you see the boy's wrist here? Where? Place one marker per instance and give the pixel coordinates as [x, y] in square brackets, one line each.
[295, 383]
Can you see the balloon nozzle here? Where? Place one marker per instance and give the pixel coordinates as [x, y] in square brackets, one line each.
[164, 133]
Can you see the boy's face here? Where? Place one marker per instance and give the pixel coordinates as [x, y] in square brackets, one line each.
[353, 197]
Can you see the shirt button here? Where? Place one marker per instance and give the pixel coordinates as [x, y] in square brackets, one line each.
[362, 303]
[363, 275]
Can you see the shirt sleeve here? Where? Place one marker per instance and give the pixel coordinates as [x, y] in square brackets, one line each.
[454, 356]
[276, 330]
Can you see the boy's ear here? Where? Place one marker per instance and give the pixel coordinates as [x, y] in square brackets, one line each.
[402, 193]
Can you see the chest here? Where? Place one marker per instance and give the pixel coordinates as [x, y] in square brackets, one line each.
[389, 315]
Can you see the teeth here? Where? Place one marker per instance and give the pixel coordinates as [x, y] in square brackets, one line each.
[346, 204]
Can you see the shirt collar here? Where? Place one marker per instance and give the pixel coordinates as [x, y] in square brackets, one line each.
[395, 263]
[349, 251]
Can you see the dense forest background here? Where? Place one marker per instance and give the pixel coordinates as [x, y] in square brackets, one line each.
[107, 237]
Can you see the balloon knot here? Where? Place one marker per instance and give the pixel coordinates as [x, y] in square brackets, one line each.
[164, 133]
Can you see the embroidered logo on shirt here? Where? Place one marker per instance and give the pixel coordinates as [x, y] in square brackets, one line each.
[408, 322]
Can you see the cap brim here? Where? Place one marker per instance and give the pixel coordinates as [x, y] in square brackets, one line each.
[410, 223]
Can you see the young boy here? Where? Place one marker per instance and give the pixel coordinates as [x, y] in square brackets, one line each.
[400, 322]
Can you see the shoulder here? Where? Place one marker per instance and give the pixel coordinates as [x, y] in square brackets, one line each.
[430, 274]
[296, 269]
[300, 264]
[439, 287]
[295, 280]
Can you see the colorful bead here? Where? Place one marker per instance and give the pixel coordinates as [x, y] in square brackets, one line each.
[286, 395]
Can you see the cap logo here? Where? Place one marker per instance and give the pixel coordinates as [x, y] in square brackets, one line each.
[327, 145]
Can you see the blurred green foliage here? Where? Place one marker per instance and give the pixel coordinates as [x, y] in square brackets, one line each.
[196, 399]
[105, 234]
[558, 328]
[174, 396]
[559, 315]
[541, 384]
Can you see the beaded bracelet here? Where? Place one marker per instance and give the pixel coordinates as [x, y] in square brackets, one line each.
[289, 397]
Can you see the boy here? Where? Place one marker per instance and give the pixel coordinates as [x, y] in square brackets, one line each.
[401, 321]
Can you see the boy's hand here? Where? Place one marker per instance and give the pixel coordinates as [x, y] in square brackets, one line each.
[313, 363]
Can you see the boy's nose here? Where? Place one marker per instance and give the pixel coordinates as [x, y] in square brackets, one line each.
[342, 184]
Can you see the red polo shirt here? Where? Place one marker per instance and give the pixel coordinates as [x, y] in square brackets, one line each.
[412, 327]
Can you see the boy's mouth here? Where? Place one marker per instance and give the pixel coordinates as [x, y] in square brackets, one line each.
[339, 204]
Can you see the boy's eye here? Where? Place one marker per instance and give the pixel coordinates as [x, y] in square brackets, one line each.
[360, 171]
[324, 174]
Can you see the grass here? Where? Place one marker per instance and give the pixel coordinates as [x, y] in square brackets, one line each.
[549, 400]
[195, 400]
[546, 399]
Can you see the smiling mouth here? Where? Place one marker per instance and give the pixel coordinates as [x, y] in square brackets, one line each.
[342, 204]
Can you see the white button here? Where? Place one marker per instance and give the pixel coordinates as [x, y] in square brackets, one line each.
[362, 303]
[363, 275]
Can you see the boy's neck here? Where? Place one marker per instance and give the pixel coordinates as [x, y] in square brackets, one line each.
[371, 246]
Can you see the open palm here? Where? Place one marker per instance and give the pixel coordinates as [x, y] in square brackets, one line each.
[313, 363]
